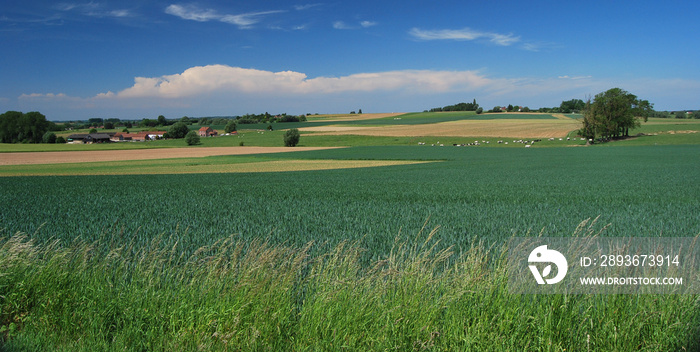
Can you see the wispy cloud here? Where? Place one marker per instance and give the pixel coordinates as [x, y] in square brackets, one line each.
[247, 20]
[464, 34]
[362, 24]
[94, 10]
[195, 13]
[574, 77]
[306, 6]
[367, 24]
[340, 25]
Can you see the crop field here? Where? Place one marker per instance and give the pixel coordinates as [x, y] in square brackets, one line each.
[471, 193]
[360, 248]
[519, 128]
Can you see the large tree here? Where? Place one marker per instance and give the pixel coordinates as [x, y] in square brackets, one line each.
[178, 130]
[612, 113]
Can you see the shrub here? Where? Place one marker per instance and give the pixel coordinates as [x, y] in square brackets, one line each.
[192, 138]
[291, 137]
[60, 140]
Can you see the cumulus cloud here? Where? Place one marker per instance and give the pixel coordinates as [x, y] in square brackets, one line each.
[194, 13]
[464, 34]
[202, 80]
[216, 89]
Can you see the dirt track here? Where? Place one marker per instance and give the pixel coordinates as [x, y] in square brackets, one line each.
[136, 154]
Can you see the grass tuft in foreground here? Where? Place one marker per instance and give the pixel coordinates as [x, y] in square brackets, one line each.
[251, 295]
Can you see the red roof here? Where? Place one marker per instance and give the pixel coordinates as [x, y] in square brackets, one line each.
[204, 129]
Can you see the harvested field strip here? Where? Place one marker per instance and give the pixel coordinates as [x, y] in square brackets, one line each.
[544, 128]
[137, 154]
[191, 166]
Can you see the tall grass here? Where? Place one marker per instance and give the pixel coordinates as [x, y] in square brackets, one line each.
[252, 295]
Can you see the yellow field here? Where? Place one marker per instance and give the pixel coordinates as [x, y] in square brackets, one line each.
[514, 128]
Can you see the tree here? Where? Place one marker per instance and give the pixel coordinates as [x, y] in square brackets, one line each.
[291, 137]
[162, 121]
[93, 130]
[359, 112]
[178, 130]
[109, 125]
[60, 140]
[230, 126]
[612, 113]
[192, 138]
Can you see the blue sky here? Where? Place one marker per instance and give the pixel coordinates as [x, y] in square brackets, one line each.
[139, 59]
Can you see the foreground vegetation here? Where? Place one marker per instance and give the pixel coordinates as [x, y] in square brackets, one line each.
[113, 294]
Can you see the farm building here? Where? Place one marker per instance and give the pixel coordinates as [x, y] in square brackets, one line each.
[97, 138]
[89, 138]
[76, 138]
[207, 132]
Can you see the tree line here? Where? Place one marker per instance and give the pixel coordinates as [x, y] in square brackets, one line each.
[31, 127]
[473, 106]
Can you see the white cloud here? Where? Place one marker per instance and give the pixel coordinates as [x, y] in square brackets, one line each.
[246, 20]
[190, 12]
[194, 13]
[340, 25]
[94, 10]
[367, 24]
[44, 96]
[305, 6]
[217, 89]
[464, 34]
[574, 77]
[202, 80]
[363, 24]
